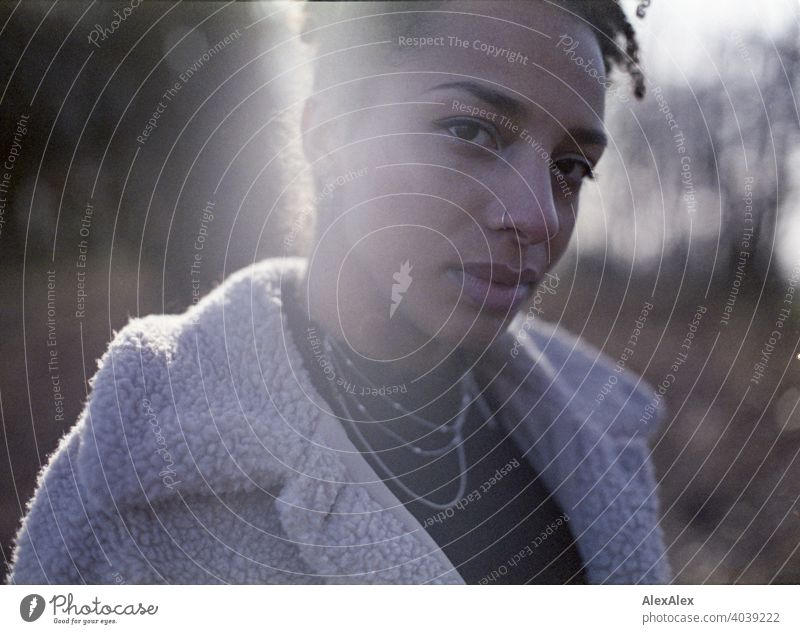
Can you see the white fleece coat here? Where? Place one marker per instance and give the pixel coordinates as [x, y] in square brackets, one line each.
[200, 458]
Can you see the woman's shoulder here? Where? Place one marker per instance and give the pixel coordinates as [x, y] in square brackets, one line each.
[182, 400]
[230, 317]
[595, 383]
[195, 406]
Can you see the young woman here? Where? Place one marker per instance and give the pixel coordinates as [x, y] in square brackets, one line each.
[370, 413]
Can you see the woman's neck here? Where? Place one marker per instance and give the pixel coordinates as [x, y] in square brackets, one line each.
[377, 351]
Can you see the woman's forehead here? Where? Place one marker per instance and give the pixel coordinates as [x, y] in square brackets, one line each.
[530, 49]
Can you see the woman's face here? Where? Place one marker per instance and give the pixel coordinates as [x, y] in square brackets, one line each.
[481, 116]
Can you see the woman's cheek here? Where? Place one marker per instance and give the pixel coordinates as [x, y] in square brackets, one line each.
[558, 245]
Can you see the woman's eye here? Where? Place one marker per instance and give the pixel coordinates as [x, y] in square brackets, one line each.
[575, 169]
[472, 131]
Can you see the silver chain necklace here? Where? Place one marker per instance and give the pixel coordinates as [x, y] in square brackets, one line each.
[334, 349]
[456, 442]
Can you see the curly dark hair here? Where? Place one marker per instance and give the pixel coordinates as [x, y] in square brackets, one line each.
[615, 34]
[611, 23]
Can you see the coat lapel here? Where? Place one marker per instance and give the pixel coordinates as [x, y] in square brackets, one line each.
[601, 479]
[349, 526]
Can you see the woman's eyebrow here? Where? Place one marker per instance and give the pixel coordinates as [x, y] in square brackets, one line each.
[501, 101]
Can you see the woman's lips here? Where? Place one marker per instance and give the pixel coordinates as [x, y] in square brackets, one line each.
[486, 292]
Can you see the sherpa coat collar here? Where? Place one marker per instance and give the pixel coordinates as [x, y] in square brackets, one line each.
[200, 458]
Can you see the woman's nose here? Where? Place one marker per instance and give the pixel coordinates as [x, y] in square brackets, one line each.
[530, 206]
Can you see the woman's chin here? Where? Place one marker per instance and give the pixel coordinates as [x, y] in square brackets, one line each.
[474, 330]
